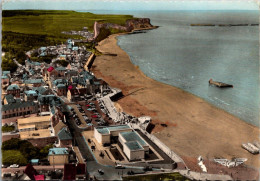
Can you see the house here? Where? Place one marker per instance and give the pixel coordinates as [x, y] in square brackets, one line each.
[5, 80]
[58, 117]
[48, 101]
[34, 82]
[40, 90]
[61, 71]
[39, 138]
[58, 127]
[62, 90]
[62, 57]
[58, 156]
[74, 172]
[60, 85]
[64, 137]
[72, 94]
[30, 95]
[49, 72]
[33, 123]
[7, 73]
[19, 108]
[14, 90]
[8, 99]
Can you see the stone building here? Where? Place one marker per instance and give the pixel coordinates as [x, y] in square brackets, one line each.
[14, 90]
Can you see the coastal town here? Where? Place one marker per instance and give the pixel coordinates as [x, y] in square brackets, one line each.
[66, 121]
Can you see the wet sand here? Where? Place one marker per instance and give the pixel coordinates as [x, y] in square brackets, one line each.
[194, 127]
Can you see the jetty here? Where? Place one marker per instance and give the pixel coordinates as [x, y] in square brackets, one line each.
[219, 84]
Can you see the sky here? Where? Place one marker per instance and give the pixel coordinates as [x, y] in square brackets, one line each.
[132, 4]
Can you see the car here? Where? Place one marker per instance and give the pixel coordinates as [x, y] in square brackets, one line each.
[4, 166]
[14, 166]
[101, 172]
[94, 116]
[119, 166]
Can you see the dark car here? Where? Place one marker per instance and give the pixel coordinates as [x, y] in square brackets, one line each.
[101, 172]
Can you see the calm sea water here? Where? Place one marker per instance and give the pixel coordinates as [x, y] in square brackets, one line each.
[187, 57]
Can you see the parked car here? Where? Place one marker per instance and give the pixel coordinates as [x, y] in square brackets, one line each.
[14, 166]
[4, 166]
[100, 171]
[119, 166]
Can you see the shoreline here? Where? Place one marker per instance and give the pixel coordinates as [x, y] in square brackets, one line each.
[194, 126]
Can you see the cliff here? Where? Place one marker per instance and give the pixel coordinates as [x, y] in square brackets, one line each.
[102, 30]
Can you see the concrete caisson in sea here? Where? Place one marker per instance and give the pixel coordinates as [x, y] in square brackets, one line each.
[219, 84]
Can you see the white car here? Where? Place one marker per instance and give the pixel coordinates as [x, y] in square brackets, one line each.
[14, 166]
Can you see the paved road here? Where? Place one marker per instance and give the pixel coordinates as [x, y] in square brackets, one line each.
[12, 170]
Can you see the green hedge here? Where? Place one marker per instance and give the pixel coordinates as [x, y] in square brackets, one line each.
[7, 128]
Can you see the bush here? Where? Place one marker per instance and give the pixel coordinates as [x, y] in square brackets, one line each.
[45, 151]
[7, 128]
[26, 148]
[13, 157]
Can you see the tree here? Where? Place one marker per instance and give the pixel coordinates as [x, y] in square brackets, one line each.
[12, 144]
[28, 150]
[45, 151]
[13, 157]
[21, 57]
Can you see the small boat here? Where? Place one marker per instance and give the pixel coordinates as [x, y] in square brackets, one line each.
[219, 84]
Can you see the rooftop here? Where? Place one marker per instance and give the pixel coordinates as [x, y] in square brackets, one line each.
[6, 72]
[134, 145]
[10, 98]
[34, 119]
[31, 92]
[17, 105]
[61, 68]
[64, 134]
[133, 136]
[33, 81]
[107, 130]
[34, 160]
[26, 126]
[40, 89]
[13, 87]
[58, 151]
[58, 127]
[61, 86]
[5, 77]
[41, 133]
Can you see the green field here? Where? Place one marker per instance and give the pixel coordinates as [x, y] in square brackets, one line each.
[23, 30]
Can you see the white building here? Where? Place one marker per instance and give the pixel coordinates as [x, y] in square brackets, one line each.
[133, 145]
[104, 134]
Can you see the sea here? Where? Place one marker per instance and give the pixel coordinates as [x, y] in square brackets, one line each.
[187, 56]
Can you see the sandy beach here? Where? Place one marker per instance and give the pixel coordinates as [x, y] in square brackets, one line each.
[194, 127]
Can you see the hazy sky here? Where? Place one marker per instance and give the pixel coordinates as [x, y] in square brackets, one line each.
[131, 4]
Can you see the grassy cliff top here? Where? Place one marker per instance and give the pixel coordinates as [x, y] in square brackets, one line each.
[23, 30]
